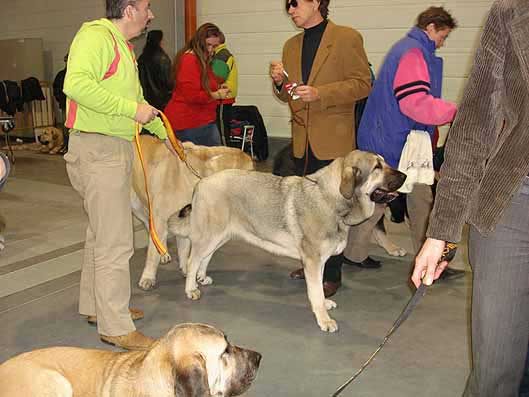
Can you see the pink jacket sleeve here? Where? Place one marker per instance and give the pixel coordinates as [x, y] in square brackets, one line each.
[411, 87]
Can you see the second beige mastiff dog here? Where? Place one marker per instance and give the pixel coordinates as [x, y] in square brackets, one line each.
[171, 185]
[52, 140]
[191, 360]
[302, 218]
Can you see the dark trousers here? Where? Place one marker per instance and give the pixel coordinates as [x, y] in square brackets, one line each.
[206, 135]
[306, 165]
[224, 116]
[524, 386]
[500, 302]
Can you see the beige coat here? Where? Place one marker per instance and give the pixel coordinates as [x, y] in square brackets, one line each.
[341, 74]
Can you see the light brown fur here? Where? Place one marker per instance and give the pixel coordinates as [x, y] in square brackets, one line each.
[191, 360]
[171, 184]
[52, 140]
[302, 218]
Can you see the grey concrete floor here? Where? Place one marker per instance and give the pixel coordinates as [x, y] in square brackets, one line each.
[252, 300]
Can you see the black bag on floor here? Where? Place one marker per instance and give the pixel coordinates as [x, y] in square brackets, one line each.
[260, 137]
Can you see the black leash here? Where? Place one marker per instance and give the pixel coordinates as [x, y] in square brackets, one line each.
[448, 254]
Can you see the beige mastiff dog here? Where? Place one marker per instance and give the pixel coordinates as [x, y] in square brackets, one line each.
[192, 360]
[171, 184]
[302, 218]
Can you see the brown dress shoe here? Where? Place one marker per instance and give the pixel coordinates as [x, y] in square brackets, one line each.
[298, 274]
[330, 288]
[135, 314]
[134, 340]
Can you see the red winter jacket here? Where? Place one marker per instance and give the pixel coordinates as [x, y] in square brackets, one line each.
[190, 105]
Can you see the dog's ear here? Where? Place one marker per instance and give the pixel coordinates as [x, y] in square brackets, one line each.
[348, 183]
[191, 377]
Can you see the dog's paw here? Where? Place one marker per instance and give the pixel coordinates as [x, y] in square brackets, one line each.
[204, 280]
[193, 295]
[330, 304]
[397, 251]
[147, 284]
[2, 242]
[165, 259]
[328, 325]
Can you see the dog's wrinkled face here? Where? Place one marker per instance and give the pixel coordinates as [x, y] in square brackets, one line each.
[367, 174]
[47, 135]
[226, 370]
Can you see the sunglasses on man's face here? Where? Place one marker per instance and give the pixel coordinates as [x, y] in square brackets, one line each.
[291, 3]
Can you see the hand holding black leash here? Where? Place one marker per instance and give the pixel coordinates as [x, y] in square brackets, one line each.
[448, 254]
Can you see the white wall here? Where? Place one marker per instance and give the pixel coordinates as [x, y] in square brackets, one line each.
[57, 21]
[256, 30]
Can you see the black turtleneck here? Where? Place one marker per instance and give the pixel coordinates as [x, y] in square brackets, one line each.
[311, 42]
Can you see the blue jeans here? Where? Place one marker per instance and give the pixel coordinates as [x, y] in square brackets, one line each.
[206, 135]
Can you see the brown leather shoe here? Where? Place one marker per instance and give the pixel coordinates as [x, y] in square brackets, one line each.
[298, 274]
[330, 288]
[134, 340]
[135, 314]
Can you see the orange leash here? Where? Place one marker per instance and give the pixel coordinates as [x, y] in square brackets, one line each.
[177, 145]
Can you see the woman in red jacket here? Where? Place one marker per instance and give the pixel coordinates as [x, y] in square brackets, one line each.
[192, 108]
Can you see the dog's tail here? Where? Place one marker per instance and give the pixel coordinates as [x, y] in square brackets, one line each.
[179, 222]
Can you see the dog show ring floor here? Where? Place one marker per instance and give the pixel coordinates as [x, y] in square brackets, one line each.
[252, 299]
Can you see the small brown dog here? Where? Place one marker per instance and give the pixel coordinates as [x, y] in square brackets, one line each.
[52, 140]
[191, 360]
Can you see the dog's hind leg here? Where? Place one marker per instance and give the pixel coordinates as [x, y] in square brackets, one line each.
[198, 262]
[313, 267]
[148, 277]
[183, 246]
[139, 210]
[202, 278]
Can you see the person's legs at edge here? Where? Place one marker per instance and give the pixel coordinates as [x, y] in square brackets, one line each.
[87, 303]
[107, 173]
[420, 204]
[358, 240]
[524, 386]
[500, 301]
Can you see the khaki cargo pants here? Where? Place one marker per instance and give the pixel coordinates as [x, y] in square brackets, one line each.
[99, 168]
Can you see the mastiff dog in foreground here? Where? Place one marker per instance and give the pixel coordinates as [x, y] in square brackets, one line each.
[191, 360]
[306, 218]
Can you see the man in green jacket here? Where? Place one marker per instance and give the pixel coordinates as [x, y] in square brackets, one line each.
[104, 102]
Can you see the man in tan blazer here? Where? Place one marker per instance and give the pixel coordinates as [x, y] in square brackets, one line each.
[329, 65]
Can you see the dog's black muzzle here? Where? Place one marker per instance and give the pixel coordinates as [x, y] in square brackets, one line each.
[43, 141]
[384, 196]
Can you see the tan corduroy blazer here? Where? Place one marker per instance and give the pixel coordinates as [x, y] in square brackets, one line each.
[341, 74]
[487, 153]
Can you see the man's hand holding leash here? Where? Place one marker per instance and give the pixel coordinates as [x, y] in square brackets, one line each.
[428, 263]
[145, 113]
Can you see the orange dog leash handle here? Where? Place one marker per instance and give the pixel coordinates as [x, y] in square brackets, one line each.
[177, 145]
[175, 142]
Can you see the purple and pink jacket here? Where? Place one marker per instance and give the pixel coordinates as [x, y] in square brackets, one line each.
[405, 96]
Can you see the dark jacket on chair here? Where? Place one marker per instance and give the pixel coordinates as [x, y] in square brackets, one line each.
[260, 138]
